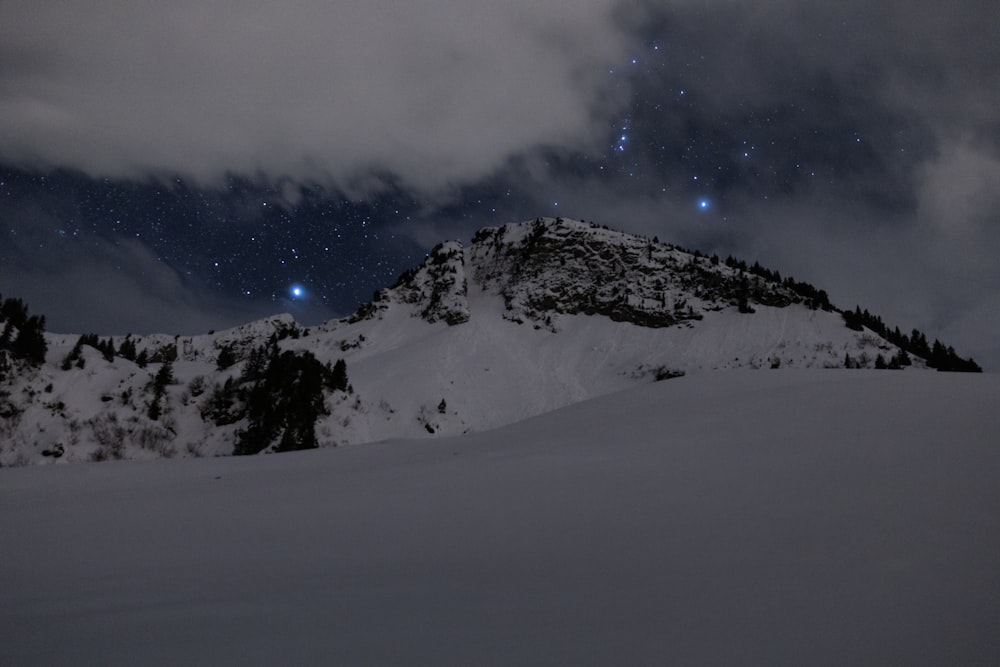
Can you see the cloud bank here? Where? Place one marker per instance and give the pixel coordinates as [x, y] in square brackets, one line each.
[428, 93]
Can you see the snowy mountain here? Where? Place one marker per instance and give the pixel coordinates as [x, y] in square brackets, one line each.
[528, 318]
[791, 516]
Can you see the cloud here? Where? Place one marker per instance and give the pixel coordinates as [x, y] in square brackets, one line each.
[432, 92]
[117, 286]
[959, 224]
[960, 203]
[916, 59]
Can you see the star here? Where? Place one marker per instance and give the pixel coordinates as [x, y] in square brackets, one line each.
[296, 291]
[703, 204]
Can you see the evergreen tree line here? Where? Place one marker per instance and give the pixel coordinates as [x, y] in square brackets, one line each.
[937, 355]
[28, 343]
[106, 347]
[814, 298]
[897, 362]
[281, 395]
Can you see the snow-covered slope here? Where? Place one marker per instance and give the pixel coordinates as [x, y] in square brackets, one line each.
[529, 318]
[798, 517]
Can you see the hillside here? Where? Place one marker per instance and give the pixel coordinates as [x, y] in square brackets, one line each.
[529, 318]
[755, 518]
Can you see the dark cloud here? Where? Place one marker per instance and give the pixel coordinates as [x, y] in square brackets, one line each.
[95, 284]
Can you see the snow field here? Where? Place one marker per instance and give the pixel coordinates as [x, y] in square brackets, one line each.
[794, 517]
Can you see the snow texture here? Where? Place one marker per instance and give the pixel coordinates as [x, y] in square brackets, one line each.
[732, 517]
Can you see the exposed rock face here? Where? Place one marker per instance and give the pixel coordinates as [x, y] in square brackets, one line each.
[437, 288]
[552, 266]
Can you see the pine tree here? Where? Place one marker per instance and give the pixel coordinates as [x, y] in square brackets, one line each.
[338, 380]
[226, 357]
[74, 355]
[15, 311]
[127, 349]
[7, 335]
[164, 376]
[30, 342]
[107, 348]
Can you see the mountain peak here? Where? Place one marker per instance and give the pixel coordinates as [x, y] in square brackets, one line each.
[550, 267]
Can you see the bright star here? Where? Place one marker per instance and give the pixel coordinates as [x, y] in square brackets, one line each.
[703, 204]
[296, 291]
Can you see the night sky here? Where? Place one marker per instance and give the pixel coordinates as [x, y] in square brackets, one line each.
[185, 166]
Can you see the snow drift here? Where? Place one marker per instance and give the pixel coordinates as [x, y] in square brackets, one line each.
[779, 518]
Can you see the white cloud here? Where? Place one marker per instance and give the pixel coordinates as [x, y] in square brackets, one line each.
[434, 91]
[960, 198]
